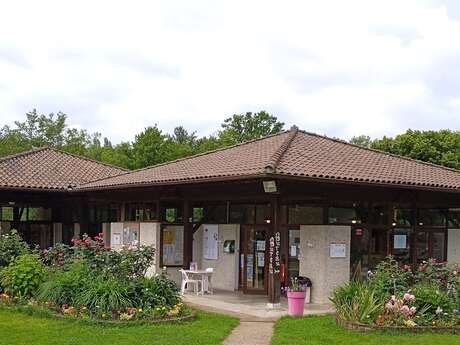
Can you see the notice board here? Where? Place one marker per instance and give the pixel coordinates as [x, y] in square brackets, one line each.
[210, 241]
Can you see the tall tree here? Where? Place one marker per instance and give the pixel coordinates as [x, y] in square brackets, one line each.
[149, 147]
[243, 127]
[439, 147]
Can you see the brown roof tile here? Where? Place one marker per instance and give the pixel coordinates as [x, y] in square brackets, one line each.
[51, 169]
[292, 153]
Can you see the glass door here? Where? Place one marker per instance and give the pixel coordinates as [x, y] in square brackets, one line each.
[254, 259]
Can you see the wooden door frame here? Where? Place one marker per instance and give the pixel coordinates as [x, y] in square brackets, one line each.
[243, 251]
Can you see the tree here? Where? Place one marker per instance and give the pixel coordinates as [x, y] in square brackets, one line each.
[439, 147]
[240, 128]
[361, 140]
[149, 147]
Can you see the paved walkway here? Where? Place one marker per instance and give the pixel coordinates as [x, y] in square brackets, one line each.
[251, 332]
[256, 318]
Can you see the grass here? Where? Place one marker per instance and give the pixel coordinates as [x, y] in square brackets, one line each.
[17, 328]
[322, 330]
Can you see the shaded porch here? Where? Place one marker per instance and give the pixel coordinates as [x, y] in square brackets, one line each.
[249, 306]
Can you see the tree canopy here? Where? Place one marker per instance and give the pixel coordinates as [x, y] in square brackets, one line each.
[439, 147]
[153, 146]
[149, 147]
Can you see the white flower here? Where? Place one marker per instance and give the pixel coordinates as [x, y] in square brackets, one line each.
[439, 311]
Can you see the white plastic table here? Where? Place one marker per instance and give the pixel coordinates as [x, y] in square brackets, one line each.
[205, 275]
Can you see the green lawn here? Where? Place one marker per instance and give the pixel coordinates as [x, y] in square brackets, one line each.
[18, 328]
[322, 330]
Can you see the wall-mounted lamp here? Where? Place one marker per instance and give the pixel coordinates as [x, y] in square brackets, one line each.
[354, 221]
[268, 221]
[270, 186]
[393, 224]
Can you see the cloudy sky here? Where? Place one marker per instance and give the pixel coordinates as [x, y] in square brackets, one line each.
[340, 68]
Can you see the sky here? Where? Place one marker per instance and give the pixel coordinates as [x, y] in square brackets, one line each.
[340, 68]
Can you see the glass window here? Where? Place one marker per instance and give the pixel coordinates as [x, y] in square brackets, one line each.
[454, 219]
[38, 214]
[242, 214]
[403, 217]
[7, 213]
[216, 214]
[138, 212]
[298, 214]
[431, 217]
[263, 213]
[172, 215]
[173, 245]
[197, 214]
[342, 215]
[438, 243]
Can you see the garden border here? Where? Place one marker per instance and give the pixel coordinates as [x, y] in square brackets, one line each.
[356, 326]
[32, 310]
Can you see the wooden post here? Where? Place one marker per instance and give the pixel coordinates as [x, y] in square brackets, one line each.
[274, 247]
[188, 235]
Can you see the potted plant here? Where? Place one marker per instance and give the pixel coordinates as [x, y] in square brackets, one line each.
[296, 297]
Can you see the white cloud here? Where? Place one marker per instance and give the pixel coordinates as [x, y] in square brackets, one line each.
[341, 68]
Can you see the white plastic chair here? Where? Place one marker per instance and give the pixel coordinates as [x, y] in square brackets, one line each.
[186, 282]
[209, 280]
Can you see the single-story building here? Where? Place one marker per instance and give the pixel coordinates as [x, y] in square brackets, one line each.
[289, 204]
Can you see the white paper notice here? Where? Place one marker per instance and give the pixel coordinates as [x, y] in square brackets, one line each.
[337, 250]
[116, 239]
[400, 242]
[260, 245]
[293, 251]
[210, 241]
[260, 259]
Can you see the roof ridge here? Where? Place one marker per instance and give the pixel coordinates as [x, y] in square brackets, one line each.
[88, 159]
[46, 147]
[188, 157]
[278, 154]
[24, 153]
[341, 141]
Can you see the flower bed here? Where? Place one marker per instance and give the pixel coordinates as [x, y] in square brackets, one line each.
[356, 326]
[90, 282]
[396, 298]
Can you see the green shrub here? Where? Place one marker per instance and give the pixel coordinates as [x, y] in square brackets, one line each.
[390, 279]
[23, 276]
[11, 246]
[155, 291]
[62, 286]
[356, 301]
[430, 297]
[105, 295]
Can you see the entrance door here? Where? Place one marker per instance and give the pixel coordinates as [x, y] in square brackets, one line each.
[254, 272]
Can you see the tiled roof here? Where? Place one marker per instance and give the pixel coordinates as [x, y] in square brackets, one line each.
[292, 153]
[50, 169]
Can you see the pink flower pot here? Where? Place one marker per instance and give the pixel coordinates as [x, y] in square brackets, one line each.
[296, 301]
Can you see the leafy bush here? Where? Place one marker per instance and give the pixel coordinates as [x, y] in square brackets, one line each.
[357, 301]
[128, 262]
[11, 246]
[62, 286]
[390, 279]
[105, 295]
[23, 276]
[430, 297]
[155, 291]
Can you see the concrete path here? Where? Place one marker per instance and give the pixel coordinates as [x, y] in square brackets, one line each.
[251, 332]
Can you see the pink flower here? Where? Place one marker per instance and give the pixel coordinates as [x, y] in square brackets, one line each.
[405, 310]
[409, 297]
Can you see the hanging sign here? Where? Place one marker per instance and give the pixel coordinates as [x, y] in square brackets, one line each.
[400, 241]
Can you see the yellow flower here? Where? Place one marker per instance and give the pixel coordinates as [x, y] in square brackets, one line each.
[140, 310]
